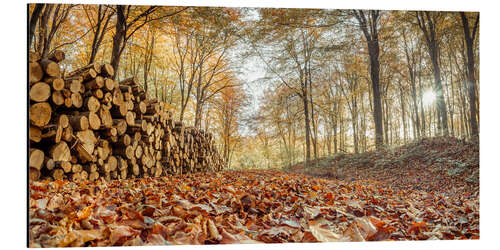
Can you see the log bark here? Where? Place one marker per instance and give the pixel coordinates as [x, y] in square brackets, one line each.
[107, 70]
[50, 67]
[79, 122]
[57, 56]
[35, 134]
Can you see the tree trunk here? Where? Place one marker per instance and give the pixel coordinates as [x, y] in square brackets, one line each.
[471, 80]
[373, 48]
[118, 38]
[33, 21]
[307, 129]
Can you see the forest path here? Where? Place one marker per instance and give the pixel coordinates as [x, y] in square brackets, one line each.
[267, 206]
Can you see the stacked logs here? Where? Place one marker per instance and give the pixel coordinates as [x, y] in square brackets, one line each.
[84, 125]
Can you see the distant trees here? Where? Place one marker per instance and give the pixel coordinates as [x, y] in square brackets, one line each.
[369, 26]
[335, 81]
[415, 64]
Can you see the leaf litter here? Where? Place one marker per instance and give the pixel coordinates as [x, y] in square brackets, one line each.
[260, 206]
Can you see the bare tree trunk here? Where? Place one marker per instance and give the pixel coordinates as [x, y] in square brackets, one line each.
[370, 30]
[118, 38]
[33, 21]
[306, 125]
[471, 81]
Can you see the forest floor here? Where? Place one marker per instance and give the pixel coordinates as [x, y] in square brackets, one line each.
[422, 191]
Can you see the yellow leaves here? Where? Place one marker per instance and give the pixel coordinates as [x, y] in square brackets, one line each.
[85, 213]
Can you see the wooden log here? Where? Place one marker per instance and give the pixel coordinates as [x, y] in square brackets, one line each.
[103, 150]
[95, 83]
[35, 134]
[62, 120]
[120, 125]
[92, 104]
[93, 176]
[97, 93]
[114, 174]
[125, 140]
[109, 84]
[83, 154]
[126, 152]
[84, 175]
[122, 163]
[108, 98]
[57, 174]
[135, 170]
[89, 75]
[93, 120]
[52, 133]
[117, 97]
[34, 174]
[125, 89]
[34, 56]
[111, 132]
[129, 81]
[50, 67]
[57, 56]
[119, 110]
[79, 122]
[88, 140]
[76, 168]
[36, 158]
[57, 98]
[107, 70]
[77, 100]
[130, 118]
[106, 118]
[60, 152]
[112, 162]
[73, 85]
[40, 114]
[35, 72]
[92, 167]
[68, 102]
[49, 163]
[104, 168]
[138, 152]
[66, 92]
[39, 92]
[96, 67]
[67, 134]
[75, 177]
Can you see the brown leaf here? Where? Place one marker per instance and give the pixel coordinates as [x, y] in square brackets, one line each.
[227, 238]
[212, 229]
[121, 233]
[322, 234]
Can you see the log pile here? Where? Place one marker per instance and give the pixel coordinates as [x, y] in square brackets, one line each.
[85, 126]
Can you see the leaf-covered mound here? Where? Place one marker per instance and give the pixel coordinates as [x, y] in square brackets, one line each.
[444, 164]
[240, 207]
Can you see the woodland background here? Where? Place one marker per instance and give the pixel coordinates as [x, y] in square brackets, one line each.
[316, 94]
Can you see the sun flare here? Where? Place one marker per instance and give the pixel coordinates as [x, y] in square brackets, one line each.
[429, 97]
